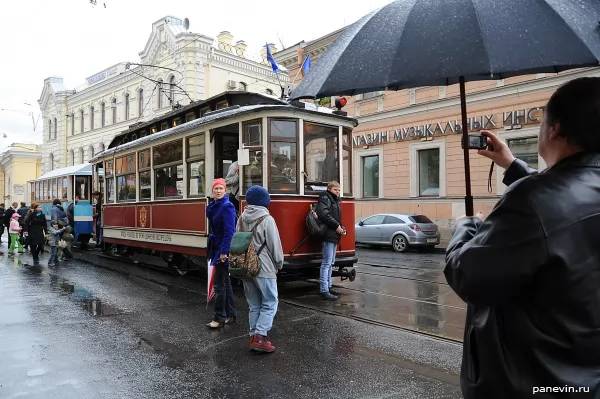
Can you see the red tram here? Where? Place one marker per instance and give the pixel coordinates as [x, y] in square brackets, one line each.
[156, 177]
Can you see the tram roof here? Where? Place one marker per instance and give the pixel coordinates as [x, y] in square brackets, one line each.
[83, 169]
[213, 117]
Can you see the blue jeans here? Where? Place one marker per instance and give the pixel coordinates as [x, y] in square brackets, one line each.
[53, 255]
[329, 249]
[224, 304]
[262, 297]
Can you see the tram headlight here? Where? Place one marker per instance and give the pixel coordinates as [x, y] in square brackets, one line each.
[340, 102]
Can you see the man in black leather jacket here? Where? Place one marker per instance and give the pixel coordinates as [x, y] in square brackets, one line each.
[530, 272]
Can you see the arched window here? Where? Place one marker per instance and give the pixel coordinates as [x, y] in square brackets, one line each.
[72, 124]
[160, 94]
[72, 157]
[49, 129]
[81, 160]
[113, 105]
[55, 128]
[140, 102]
[102, 114]
[91, 151]
[81, 125]
[269, 91]
[243, 86]
[51, 162]
[126, 106]
[172, 89]
[92, 117]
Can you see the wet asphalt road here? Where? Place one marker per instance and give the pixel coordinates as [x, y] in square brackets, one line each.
[115, 330]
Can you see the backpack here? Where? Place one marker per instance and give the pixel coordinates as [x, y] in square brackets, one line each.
[243, 255]
[315, 227]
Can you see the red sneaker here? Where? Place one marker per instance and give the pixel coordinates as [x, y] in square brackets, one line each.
[261, 344]
[252, 340]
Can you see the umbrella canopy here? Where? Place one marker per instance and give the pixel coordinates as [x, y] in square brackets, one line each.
[411, 43]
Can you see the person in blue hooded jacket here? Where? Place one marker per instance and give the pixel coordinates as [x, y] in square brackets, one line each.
[221, 216]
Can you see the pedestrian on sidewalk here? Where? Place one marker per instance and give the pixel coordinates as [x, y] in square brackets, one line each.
[261, 291]
[8, 217]
[15, 234]
[329, 212]
[23, 211]
[221, 215]
[36, 228]
[55, 234]
[2, 210]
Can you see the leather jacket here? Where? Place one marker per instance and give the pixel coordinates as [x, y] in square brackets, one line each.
[530, 275]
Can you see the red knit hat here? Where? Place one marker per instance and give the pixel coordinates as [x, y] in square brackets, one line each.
[219, 182]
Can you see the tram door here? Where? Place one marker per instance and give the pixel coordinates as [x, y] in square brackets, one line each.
[226, 146]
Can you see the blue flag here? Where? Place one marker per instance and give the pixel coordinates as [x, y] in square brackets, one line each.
[272, 60]
[306, 65]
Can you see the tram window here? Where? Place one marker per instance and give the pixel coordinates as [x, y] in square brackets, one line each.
[252, 133]
[176, 122]
[108, 170]
[168, 181]
[65, 190]
[59, 188]
[167, 153]
[145, 186]
[82, 187]
[144, 159]
[54, 191]
[126, 187]
[45, 190]
[125, 164]
[253, 175]
[190, 116]
[195, 158]
[321, 156]
[38, 193]
[347, 161]
[282, 158]
[164, 126]
[110, 190]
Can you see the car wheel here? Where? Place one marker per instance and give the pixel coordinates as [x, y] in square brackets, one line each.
[399, 243]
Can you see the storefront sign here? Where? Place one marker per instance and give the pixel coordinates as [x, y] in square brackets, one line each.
[507, 120]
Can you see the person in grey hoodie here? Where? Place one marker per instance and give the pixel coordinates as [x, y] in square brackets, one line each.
[261, 291]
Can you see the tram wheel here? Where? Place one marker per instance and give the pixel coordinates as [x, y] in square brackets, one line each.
[114, 250]
[181, 265]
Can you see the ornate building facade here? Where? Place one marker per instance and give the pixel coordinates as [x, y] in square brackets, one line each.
[176, 67]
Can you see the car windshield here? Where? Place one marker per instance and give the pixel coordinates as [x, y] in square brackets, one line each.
[420, 219]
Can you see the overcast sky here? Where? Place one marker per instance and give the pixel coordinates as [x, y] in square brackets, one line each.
[73, 39]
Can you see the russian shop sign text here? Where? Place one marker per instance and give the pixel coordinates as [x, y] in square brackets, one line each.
[507, 120]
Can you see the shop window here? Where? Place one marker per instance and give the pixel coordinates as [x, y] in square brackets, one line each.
[321, 156]
[347, 162]
[195, 159]
[526, 149]
[282, 157]
[252, 138]
[370, 176]
[168, 170]
[429, 172]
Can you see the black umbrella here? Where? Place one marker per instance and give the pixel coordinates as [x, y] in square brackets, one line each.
[411, 43]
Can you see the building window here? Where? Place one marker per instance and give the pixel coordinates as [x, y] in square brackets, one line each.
[172, 90]
[49, 129]
[81, 155]
[370, 176]
[102, 114]
[243, 86]
[81, 126]
[321, 156]
[113, 105]
[525, 148]
[126, 180]
[366, 96]
[141, 102]
[55, 128]
[269, 91]
[428, 169]
[126, 100]
[429, 172]
[91, 151]
[195, 158]
[72, 157]
[91, 118]
[51, 162]
[145, 175]
[72, 124]
[252, 139]
[159, 100]
[283, 138]
[168, 170]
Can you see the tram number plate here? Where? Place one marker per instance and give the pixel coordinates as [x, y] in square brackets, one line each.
[432, 240]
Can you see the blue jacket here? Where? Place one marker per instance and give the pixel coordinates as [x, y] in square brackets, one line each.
[221, 216]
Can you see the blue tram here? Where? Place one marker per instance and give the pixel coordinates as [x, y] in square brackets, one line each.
[65, 184]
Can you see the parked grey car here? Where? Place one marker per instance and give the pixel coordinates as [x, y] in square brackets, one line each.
[401, 231]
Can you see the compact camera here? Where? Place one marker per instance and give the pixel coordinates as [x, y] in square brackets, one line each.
[476, 142]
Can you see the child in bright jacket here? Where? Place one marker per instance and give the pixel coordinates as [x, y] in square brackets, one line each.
[14, 229]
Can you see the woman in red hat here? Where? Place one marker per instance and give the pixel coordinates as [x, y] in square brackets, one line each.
[221, 216]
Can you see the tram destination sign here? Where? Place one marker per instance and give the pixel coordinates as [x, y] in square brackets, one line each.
[507, 120]
[146, 236]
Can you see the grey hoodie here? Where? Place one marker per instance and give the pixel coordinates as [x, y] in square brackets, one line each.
[271, 257]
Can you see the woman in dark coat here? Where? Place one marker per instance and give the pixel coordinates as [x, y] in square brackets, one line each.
[36, 228]
[221, 215]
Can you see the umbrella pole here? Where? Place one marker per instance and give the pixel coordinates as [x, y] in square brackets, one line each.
[465, 142]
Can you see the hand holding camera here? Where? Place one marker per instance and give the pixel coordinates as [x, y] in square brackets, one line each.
[491, 147]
